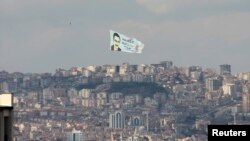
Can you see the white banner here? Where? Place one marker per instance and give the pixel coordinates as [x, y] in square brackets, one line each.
[120, 42]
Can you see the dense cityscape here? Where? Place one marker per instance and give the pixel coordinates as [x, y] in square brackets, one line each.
[126, 102]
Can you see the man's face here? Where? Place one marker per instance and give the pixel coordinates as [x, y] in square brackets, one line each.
[116, 41]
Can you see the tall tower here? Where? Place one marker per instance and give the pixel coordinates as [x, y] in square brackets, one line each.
[6, 117]
[167, 64]
[75, 135]
[225, 69]
[246, 99]
[213, 84]
[117, 120]
[4, 86]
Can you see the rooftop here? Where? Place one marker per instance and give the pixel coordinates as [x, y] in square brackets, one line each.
[5, 100]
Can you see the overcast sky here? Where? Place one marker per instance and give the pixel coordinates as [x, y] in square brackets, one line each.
[42, 35]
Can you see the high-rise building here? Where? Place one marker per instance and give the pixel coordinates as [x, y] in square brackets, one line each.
[246, 99]
[101, 99]
[75, 135]
[6, 116]
[229, 90]
[167, 64]
[4, 86]
[225, 69]
[136, 121]
[141, 68]
[117, 69]
[117, 119]
[213, 84]
[132, 68]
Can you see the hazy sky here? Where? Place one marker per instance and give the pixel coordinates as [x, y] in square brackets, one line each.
[36, 35]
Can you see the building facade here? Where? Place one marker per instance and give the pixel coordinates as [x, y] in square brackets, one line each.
[117, 120]
[6, 117]
[225, 69]
[75, 135]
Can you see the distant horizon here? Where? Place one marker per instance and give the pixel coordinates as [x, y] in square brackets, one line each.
[216, 69]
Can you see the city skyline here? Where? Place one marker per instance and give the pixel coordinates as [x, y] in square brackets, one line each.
[43, 35]
[216, 70]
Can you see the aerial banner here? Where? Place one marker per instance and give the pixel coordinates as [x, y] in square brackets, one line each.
[120, 42]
